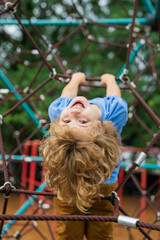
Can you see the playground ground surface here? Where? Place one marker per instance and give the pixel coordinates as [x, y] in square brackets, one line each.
[129, 204]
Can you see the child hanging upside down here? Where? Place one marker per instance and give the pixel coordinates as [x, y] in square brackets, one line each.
[82, 156]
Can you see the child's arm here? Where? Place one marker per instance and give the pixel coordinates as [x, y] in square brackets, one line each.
[111, 86]
[71, 89]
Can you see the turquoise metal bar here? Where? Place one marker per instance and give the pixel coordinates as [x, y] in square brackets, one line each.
[148, 6]
[23, 208]
[156, 8]
[61, 22]
[131, 58]
[40, 159]
[25, 106]
[23, 157]
[18, 96]
[145, 165]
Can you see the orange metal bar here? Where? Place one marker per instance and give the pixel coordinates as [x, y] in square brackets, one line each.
[24, 178]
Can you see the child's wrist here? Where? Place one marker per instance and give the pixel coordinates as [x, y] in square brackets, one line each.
[110, 80]
[79, 78]
[77, 81]
[107, 79]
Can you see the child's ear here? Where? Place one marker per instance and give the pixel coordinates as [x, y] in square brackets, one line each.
[99, 124]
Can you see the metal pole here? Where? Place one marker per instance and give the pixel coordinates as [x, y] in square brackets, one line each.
[61, 22]
[148, 6]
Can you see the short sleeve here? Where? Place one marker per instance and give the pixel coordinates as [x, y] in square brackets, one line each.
[57, 106]
[116, 111]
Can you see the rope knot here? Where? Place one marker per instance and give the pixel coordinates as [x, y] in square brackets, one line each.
[17, 235]
[11, 7]
[53, 73]
[123, 77]
[113, 196]
[1, 119]
[7, 187]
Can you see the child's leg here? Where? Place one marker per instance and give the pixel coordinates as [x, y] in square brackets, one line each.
[68, 230]
[101, 230]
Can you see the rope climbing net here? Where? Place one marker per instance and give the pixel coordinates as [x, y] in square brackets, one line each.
[50, 58]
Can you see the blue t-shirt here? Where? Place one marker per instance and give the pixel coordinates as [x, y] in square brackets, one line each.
[113, 108]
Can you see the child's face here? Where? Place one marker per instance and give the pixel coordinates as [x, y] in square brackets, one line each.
[80, 114]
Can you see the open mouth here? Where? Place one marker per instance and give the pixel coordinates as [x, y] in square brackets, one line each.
[78, 103]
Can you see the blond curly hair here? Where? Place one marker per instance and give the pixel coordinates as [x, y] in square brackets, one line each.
[76, 167]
